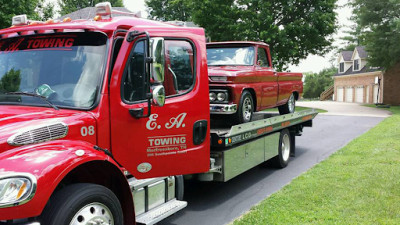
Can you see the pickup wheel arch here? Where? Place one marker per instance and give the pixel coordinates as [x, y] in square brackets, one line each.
[253, 94]
[296, 95]
[105, 174]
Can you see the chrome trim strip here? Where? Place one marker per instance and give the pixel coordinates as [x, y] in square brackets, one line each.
[223, 108]
[32, 191]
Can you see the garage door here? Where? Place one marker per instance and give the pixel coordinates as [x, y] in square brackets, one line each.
[349, 94]
[360, 94]
[339, 94]
[375, 96]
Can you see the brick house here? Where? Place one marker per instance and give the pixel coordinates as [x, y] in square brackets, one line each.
[355, 81]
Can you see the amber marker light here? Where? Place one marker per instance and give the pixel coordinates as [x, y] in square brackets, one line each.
[220, 141]
[229, 140]
[97, 18]
[21, 190]
[68, 19]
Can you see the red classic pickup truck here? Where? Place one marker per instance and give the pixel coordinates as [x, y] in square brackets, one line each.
[242, 81]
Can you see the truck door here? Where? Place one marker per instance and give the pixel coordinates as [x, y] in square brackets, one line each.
[269, 76]
[174, 138]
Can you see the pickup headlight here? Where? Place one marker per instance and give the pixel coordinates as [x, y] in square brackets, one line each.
[16, 190]
[218, 96]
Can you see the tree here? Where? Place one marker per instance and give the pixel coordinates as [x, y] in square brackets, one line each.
[10, 81]
[293, 28]
[169, 10]
[68, 6]
[380, 30]
[316, 83]
[34, 9]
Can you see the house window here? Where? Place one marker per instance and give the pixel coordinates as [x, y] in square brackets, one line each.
[341, 67]
[356, 65]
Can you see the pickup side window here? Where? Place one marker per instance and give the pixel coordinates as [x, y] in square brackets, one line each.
[133, 88]
[179, 71]
[262, 58]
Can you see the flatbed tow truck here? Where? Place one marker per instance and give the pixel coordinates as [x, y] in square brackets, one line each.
[101, 120]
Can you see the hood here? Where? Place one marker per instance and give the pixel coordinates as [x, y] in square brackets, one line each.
[17, 121]
[231, 72]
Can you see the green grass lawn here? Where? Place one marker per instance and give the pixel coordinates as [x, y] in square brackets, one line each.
[359, 184]
[297, 109]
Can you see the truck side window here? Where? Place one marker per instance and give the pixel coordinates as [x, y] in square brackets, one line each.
[134, 81]
[179, 75]
[262, 58]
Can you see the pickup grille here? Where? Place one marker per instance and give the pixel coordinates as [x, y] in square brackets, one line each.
[39, 134]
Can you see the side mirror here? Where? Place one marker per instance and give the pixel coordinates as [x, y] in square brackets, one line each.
[157, 49]
[158, 95]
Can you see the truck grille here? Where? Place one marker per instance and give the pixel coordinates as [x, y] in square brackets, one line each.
[39, 134]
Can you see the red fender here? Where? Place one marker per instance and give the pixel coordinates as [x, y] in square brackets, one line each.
[49, 163]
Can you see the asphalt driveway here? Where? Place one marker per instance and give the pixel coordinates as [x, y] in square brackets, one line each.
[220, 203]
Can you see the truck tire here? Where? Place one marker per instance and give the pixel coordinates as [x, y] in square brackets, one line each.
[289, 107]
[284, 150]
[83, 204]
[245, 109]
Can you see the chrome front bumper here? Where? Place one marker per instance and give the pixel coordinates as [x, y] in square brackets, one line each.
[223, 108]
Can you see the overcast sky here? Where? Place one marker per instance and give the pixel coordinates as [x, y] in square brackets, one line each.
[313, 63]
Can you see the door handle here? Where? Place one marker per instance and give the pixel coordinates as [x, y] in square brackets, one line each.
[199, 132]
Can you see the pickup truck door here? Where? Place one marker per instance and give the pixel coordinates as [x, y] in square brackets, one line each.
[174, 139]
[269, 84]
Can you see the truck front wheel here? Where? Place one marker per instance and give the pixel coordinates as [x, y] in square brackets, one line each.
[83, 204]
[245, 109]
[289, 106]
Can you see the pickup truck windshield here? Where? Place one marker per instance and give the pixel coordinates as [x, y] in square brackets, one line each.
[230, 56]
[64, 68]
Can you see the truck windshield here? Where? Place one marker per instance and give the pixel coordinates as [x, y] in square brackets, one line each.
[64, 68]
[230, 56]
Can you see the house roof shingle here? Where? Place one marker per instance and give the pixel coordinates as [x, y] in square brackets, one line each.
[365, 69]
[90, 12]
[361, 52]
[347, 55]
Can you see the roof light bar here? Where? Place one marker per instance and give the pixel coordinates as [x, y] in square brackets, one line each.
[103, 9]
[19, 20]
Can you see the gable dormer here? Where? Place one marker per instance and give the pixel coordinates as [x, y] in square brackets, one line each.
[359, 58]
[344, 61]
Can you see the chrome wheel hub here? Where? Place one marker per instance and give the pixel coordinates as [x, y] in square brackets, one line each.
[285, 147]
[247, 109]
[291, 103]
[93, 214]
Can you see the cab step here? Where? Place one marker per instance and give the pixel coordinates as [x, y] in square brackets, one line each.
[161, 212]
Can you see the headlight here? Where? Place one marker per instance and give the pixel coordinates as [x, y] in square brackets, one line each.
[213, 96]
[16, 190]
[221, 96]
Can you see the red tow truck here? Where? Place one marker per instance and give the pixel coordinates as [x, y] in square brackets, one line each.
[100, 119]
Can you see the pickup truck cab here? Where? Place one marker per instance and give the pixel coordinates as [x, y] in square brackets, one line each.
[243, 80]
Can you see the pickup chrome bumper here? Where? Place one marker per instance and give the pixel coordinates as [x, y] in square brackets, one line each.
[223, 108]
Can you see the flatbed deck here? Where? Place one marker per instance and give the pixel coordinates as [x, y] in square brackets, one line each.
[223, 135]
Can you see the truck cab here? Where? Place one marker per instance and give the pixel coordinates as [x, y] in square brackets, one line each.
[96, 101]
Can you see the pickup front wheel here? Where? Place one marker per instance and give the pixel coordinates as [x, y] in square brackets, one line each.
[245, 109]
[289, 106]
[83, 204]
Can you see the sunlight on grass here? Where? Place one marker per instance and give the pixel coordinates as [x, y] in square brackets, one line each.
[359, 184]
